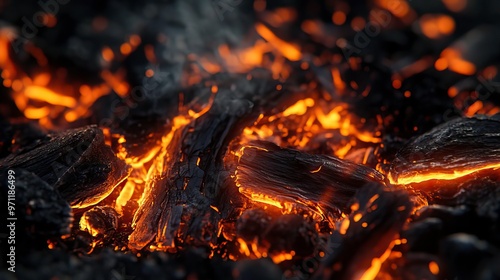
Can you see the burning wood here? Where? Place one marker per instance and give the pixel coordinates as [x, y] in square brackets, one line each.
[187, 138]
[76, 162]
[455, 150]
[287, 178]
[190, 174]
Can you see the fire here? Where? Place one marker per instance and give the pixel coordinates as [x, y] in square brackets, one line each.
[314, 119]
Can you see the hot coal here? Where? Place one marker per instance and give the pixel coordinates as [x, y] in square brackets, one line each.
[297, 178]
[391, 82]
[452, 150]
[185, 190]
[100, 221]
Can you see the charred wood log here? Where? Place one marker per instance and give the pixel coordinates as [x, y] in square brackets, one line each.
[291, 178]
[177, 203]
[76, 162]
[458, 149]
[364, 238]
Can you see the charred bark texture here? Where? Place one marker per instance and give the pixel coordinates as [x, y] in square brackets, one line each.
[459, 145]
[76, 162]
[299, 178]
[177, 204]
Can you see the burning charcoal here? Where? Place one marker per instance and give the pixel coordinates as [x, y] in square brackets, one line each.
[76, 162]
[38, 207]
[463, 253]
[291, 233]
[100, 221]
[268, 173]
[252, 224]
[456, 150]
[190, 181]
[363, 240]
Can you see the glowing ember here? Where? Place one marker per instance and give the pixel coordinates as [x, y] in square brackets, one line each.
[407, 179]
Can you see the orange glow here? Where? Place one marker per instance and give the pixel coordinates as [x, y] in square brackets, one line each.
[338, 17]
[299, 108]
[441, 64]
[399, 8]
[125, 196]
[436, 26]
[135, 40]
[357, 217]
[455, 5]
[116, 82]
[149, 73]
[337, 80]
[280, 16]
[376, 264]
[344, 225]
[36, 113]
[49, 20]
[396, 84]
[107, 54]
[262, 198]
[149, 51]
[125, 49]
[462, 66]
[289, 51]
[474, 108]
[451, 59]
[406, 179]
[358, 23]
[259, 5]
[434, 268]
[282, 257]
[452, 92]
[49, 96]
